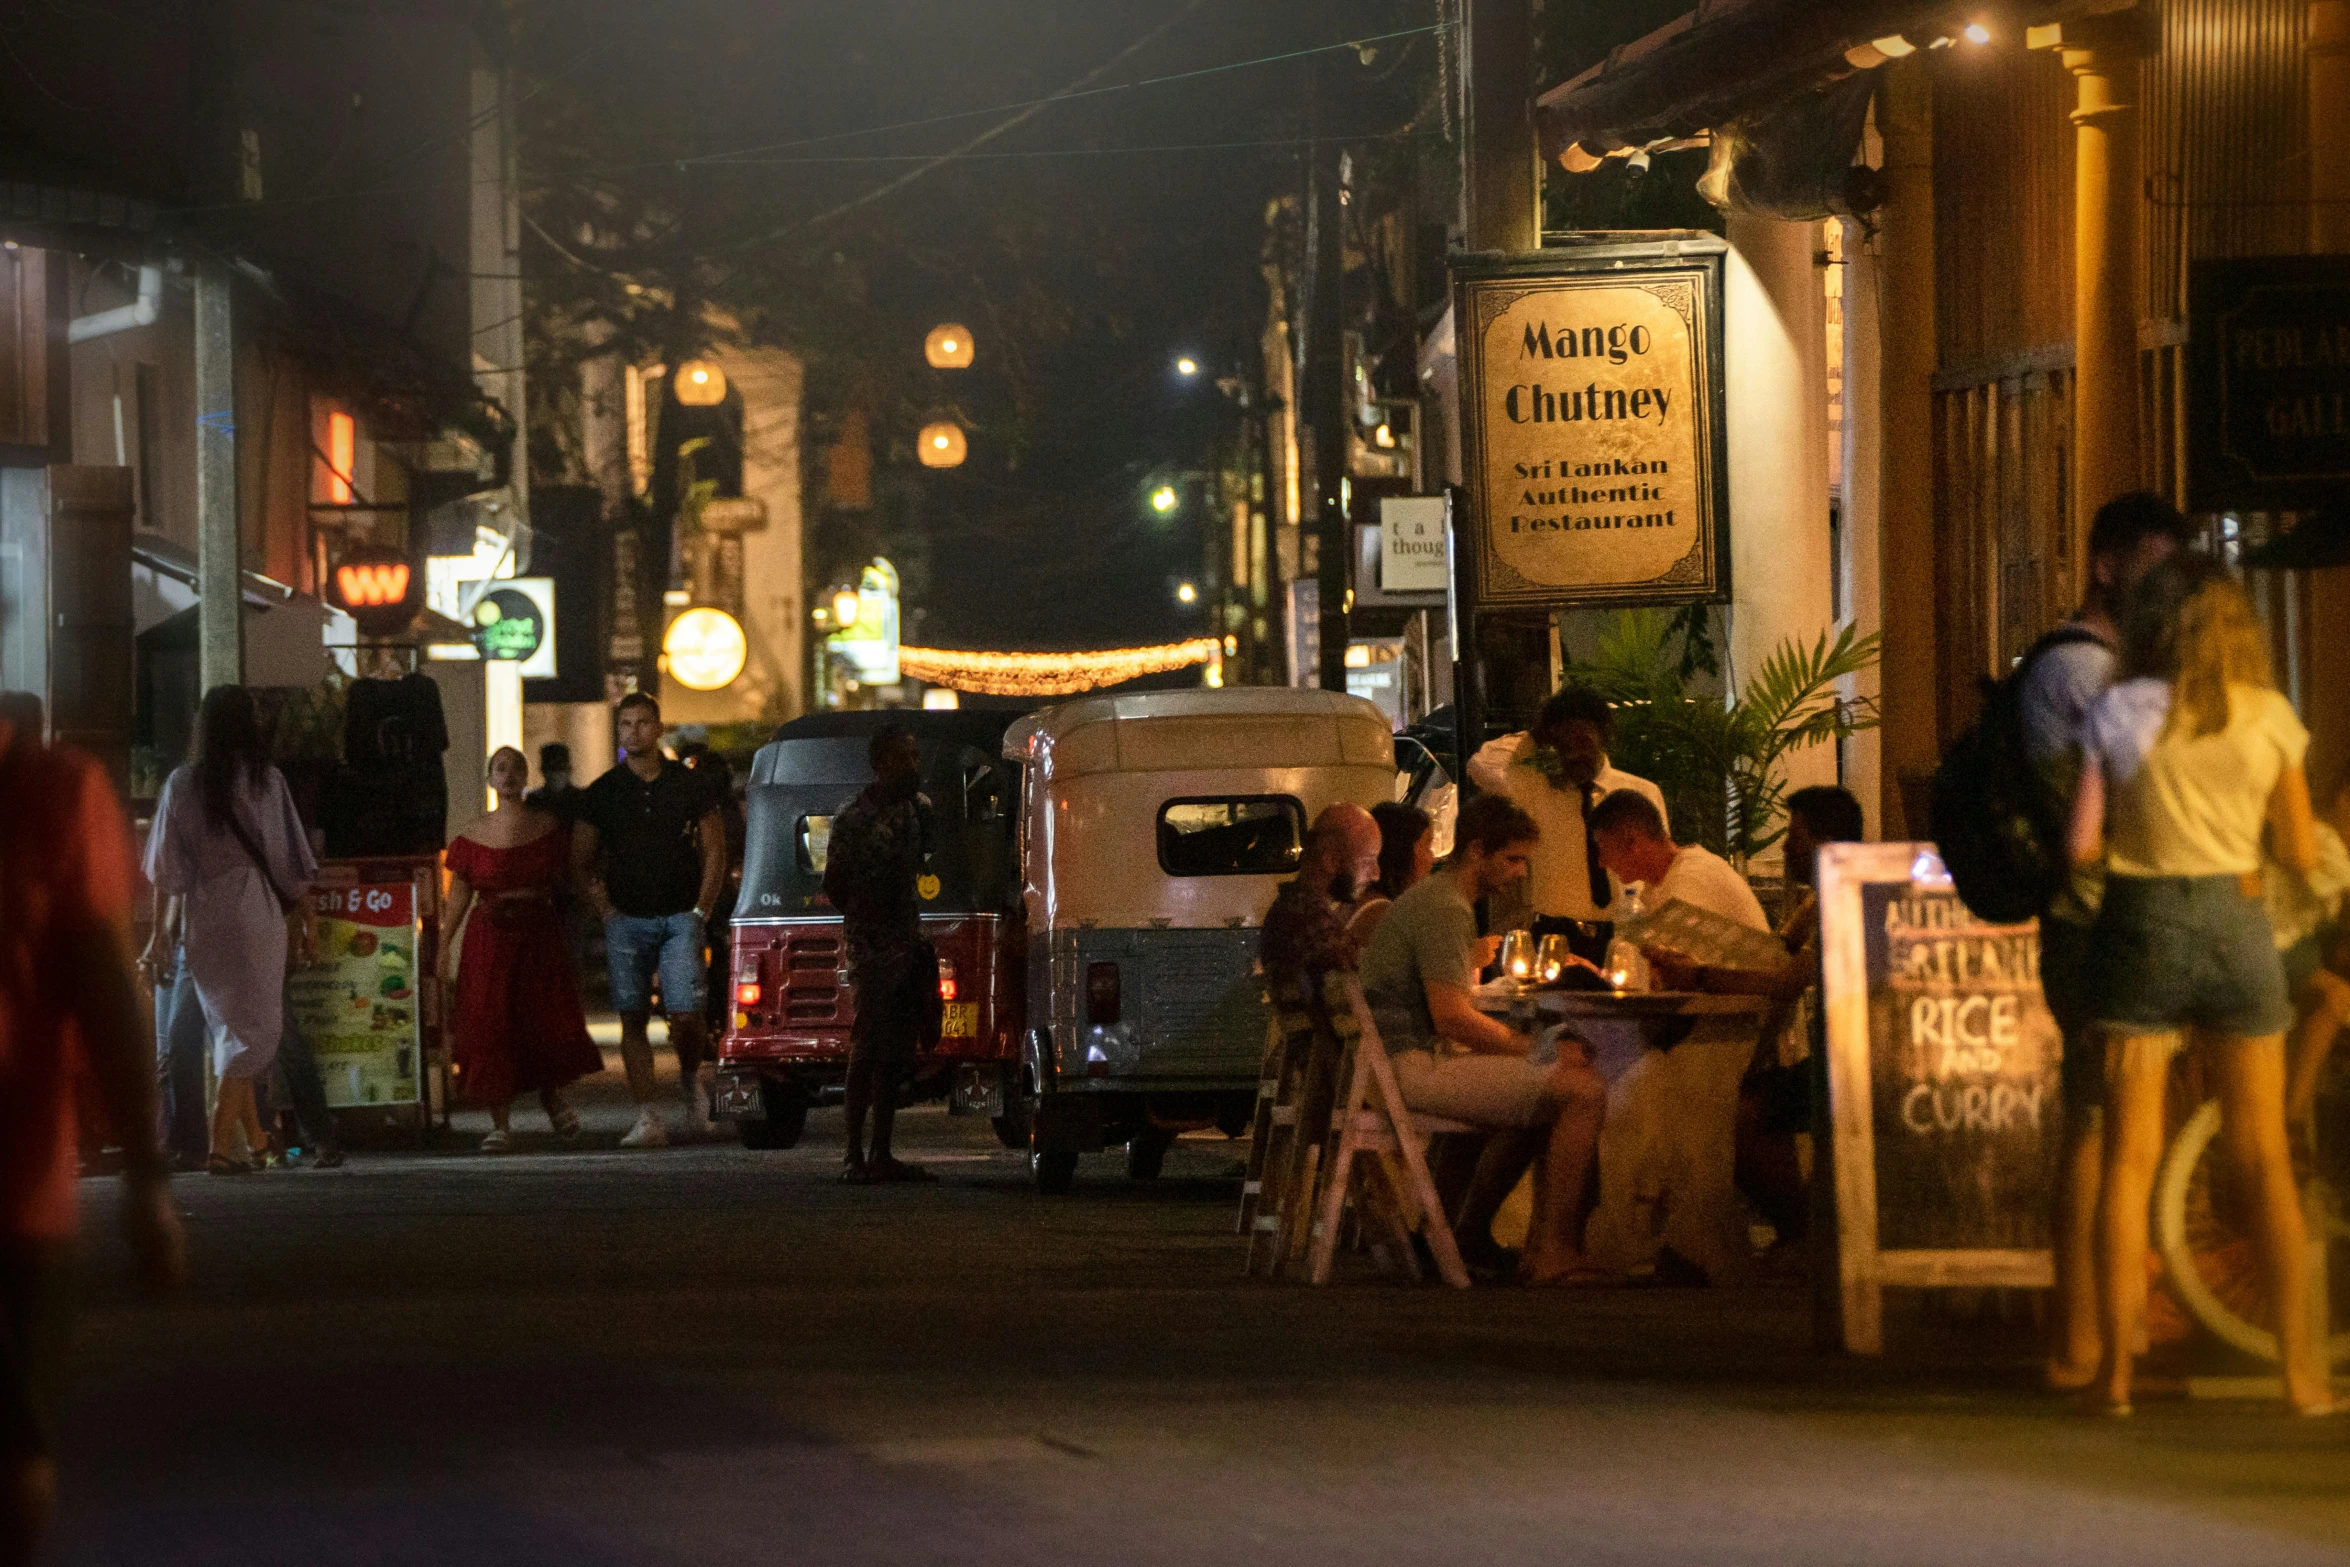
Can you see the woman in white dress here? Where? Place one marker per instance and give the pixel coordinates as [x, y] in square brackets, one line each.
[229, 855]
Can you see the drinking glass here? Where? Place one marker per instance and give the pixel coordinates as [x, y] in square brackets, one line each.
[1517, 955]
[1550, 958]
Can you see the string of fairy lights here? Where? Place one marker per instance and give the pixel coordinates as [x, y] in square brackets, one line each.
[1050, 674]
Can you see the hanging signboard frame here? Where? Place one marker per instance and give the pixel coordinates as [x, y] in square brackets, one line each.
[2268, 425]
[1944, 1113]
[1592, 413]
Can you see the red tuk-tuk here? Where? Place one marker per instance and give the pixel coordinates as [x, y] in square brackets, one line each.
[790, 1002]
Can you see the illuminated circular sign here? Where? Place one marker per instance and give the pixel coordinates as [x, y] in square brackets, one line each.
[507, 625]
[705, 649]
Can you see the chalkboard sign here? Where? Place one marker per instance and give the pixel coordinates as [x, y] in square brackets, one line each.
[1942, 1085]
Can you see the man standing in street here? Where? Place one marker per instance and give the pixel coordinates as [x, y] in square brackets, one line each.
[2062, 675]
[651, 856]
[556, 794]
[66, 987]
[1556, 773]
[872, 863]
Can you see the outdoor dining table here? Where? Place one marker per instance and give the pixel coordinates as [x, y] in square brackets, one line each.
[1667, 1150]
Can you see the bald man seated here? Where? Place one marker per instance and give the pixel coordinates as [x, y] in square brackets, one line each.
[1305, 933]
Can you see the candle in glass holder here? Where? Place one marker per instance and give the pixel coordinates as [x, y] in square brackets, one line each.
[1550, 959]
[1517, 955]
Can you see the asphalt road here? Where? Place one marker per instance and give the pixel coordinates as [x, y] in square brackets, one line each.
[703, 1355]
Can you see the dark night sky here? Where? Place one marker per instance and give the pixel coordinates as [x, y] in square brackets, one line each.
[1104, 262]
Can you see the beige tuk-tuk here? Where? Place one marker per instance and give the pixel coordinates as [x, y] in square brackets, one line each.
[1154, 832]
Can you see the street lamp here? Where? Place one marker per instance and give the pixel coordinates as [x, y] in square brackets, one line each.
[1185, 593]
[942, 445]
[1164, 499]
[1187, 366]
[948, 347]
[700, 384]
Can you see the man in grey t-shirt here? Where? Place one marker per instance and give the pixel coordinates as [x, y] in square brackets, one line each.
[2129, 537]
[1419, 976]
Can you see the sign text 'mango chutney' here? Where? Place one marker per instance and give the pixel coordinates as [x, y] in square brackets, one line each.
[1591, 404]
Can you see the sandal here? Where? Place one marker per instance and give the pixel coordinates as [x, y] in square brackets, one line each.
[856, 1172]
[222, 1164]
[497, 1142]
[563, 1117]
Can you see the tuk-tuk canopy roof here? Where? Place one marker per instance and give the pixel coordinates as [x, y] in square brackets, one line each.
[1190, 731]
[979, 728]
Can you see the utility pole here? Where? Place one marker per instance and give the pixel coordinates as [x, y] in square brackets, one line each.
[220, 582]
[1324, 394]
[1501, 209]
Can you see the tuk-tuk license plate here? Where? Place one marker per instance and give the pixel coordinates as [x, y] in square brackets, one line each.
[961, 1020]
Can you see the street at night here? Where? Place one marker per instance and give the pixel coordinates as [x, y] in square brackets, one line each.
[712, 1356]
[1174, 781]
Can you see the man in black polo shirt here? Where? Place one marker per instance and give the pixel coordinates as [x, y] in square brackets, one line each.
[651, 854]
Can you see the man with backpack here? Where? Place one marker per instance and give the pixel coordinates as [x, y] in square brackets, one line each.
[2053, 686]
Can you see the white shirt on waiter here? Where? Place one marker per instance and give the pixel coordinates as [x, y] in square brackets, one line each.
[1559, 884]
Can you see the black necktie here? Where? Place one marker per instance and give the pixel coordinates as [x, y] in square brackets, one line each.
[1602, 892]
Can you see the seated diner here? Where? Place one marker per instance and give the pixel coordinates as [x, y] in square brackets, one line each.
[1668, 1197]
[1451, 1060]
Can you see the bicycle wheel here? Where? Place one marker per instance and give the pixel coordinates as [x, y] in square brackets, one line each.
[2207, 1249]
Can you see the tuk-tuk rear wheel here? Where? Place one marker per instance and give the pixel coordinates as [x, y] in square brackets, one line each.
[1055, 1170]
[786, 1118]
[1012, 1128]
[1146, 1153]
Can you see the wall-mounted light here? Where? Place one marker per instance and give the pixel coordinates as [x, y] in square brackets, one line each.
[1893, 46]
[1164, 499]
[1185, 593]
[1976, 33]
[1187, 366]
[342, 456]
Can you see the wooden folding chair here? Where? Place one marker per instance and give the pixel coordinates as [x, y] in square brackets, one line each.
[1303, 1058]
[1393, 1192]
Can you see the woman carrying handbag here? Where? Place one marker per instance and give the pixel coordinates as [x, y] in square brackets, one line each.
[228, 844]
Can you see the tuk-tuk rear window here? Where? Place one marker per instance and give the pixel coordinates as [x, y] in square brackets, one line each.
[1246, 835]
[815, 836]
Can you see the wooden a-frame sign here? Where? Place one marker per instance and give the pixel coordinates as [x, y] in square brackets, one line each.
[1943, 1112]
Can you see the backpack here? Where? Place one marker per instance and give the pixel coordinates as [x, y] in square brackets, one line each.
[1998, 821]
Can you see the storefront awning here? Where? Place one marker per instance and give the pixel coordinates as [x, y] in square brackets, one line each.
[1729, 59]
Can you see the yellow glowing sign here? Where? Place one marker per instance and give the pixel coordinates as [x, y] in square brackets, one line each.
[705, 649]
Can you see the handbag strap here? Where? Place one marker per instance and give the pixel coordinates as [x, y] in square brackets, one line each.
[236, 825]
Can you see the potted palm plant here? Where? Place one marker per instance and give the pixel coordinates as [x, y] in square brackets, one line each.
[1718, 758]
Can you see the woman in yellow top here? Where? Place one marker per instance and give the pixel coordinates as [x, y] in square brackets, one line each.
[2187, 759]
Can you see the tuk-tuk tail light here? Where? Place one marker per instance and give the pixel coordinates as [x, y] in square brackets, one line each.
[946, 980]
[747, 993]
[1102, 998]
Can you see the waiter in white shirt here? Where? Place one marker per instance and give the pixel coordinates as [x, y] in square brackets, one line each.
[1556, 772]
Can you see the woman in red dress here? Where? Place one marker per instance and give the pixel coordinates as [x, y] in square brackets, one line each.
[518, 1021]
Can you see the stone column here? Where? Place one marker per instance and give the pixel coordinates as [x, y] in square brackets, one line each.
[2102, 54]
[1910, 742]
[1775, 364]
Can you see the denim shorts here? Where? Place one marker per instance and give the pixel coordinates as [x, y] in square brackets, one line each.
[2175, 952]
[636, 946]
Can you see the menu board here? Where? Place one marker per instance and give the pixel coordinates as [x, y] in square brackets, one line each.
[1942, 1084]
[360, 1005]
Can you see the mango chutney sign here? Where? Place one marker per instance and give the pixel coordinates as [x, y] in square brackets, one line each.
[1591, 414]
